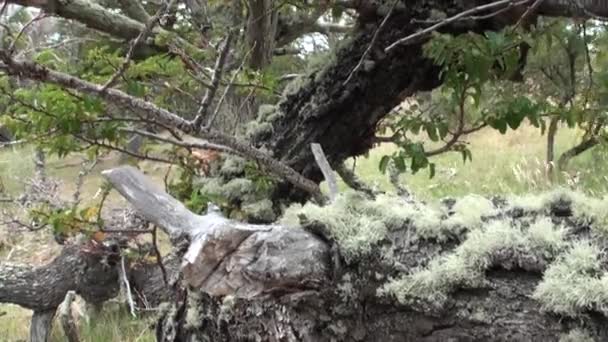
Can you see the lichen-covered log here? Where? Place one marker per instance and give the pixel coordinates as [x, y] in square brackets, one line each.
[88, 270]
[472, 269]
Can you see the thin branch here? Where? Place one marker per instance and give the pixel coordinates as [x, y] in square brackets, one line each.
[151, 111]
[371, 43]
[227, 90]
[188, 145]
[40, 16]
[411, 37]
[527, 13]
[159, 259]
[123, 274]
[215, 80]
[326, 169]
[142, 35]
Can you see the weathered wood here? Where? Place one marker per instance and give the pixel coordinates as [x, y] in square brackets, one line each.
[41, 325]
[67, 318]
[226, 257]
[328, 172]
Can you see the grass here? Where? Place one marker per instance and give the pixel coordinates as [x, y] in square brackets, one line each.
[502, 164]
[111, 325]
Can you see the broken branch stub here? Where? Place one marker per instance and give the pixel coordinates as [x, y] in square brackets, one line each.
[227, 257]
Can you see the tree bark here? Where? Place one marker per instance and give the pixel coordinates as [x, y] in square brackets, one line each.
[261, 30]
[550, 163]
[278, 283]
[89, 271]
[585, 145]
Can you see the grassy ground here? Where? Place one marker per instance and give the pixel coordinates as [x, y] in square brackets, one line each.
[502, 164]
[512, 163]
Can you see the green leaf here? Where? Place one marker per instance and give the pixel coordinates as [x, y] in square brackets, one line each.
[400, 163]
[384, 163]
[431, 170]
[431, 130]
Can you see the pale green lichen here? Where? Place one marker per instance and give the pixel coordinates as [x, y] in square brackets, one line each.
[469, 211]
[577, 335]
[238, 189]
[295, 85]
[232, 166]
[544, 234]
[575, 283]
[583, 207]
[256, 129]
[227, 306]
[466, 266]
[354, 221]
[193, 316]
[261, 211]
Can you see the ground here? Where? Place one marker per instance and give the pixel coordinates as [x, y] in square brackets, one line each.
[501, 165]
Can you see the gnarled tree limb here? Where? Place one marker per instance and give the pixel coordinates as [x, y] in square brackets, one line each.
[226, 257]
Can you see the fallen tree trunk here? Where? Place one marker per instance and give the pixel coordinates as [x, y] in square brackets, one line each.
[387, 270]
[88, 270]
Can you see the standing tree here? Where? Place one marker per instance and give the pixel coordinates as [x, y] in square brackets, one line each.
[357, 269]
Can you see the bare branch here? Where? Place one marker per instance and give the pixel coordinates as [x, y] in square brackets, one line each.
[142, 35]
[215, 81]
[134, 9]
[421, 33]
[67, 320]
[162, 116]
[371, 43]
[326, 169]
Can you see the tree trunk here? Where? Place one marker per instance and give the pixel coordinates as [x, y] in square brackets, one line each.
[550, 163]
[261, 30]
[279, 283]
[88, 270]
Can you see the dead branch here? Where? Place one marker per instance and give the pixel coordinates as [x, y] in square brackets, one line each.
[326, 169]
[67, 318]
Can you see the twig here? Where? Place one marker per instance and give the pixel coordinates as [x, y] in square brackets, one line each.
[159, 259]
[127, 286]
[80, 180]
[527, 13]
[40, 16]
[326, 169]
[371, 43]
[452, 19]
[142, 35]
[350, 178]
[188, 145]
[221, 100]
[215, 80]
[12, 143]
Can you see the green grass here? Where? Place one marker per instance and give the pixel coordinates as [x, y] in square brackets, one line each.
[112, 325]
[502, 164]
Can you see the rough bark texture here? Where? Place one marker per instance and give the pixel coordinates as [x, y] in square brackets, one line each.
[89, 271]
[350, 309]
[279, 283]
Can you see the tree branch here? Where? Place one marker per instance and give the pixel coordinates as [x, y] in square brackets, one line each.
[135, 10]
